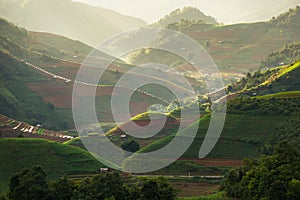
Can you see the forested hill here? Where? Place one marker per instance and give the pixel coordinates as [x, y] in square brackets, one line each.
[187, 13]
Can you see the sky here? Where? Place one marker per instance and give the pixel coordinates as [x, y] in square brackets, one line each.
[226, 11]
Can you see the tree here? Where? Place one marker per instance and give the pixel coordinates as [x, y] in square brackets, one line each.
[29, 184]
[157, 189]
[107, 186]
[130, 145]
[50, 106]
[61, 190]
[150, 191]
[294, 189]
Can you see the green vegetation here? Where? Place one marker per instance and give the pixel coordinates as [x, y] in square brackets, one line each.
[242, 136]
[150, 115]
[274, 80]
[289, 54]
[28, 184]
[62, 43]
[15, 33]
[187, 13]
[19, 43]
[19, 102]
[265, 106]
[217, 196]
[31, 184]
[287, 131]
[290, 19]
[130, 145]
[291, 94]
[235, 48]
[57, 159]
[270, 177]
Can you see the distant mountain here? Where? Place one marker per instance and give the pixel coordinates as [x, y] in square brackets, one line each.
[187, 13]
[75, 20]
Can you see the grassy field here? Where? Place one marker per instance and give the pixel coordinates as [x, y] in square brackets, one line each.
[57, 159]
[291, 94]
[241, 137]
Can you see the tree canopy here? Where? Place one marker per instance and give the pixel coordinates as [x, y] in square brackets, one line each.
[31, 184]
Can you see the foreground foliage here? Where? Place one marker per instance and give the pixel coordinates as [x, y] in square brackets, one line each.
[31, 184]
[270, 177]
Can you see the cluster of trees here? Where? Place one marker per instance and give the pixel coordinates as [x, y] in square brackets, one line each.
[187, 13]
[290, 19]
[289, 54]
[271, 177]
[184, 24]
[31, 184]
[130, 145]
[252, 80]
[8, 29]
[265, 106]
[271, 81]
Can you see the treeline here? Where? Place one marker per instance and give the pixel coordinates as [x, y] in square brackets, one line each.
[187, 13]
[280, 79]
[32, 184]
[15, 33]
[186, 25]
[252, 80]
[265, 106]
[290, 19]
[289, 54]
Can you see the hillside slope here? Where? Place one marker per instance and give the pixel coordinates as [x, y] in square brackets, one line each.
[57, 159]
[62, 43]
[288, 54]
[75, 20]
[280, 79]
[235, 48]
